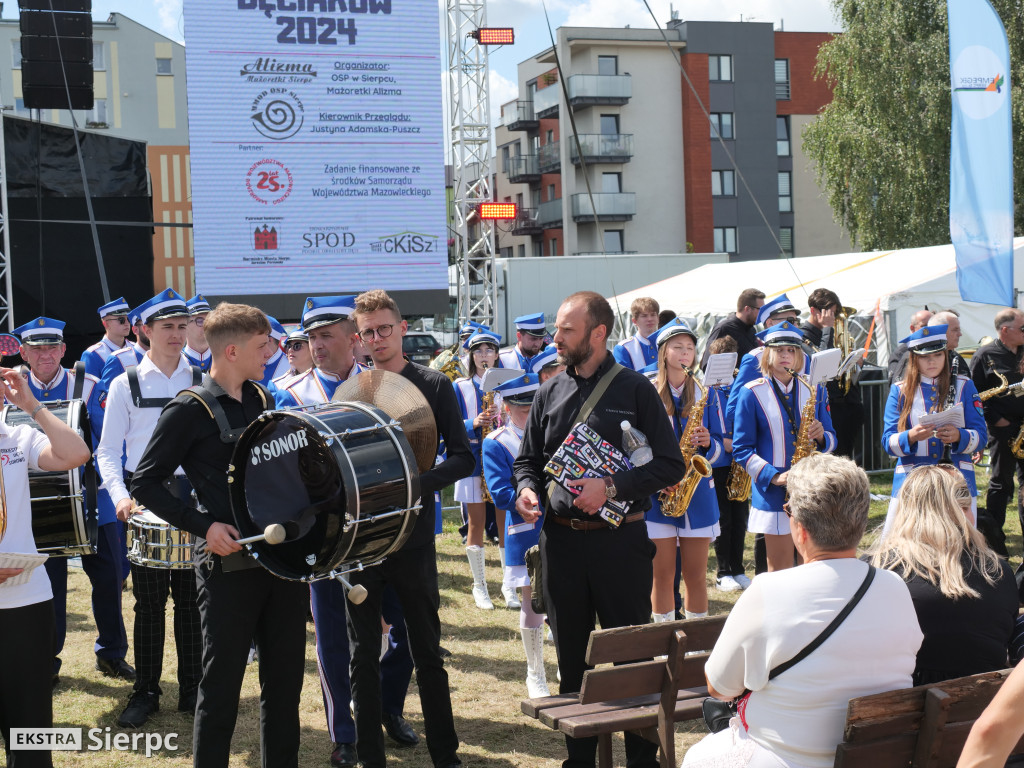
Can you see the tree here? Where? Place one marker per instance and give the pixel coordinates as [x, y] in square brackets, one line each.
[881, 147]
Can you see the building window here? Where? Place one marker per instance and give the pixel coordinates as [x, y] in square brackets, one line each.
[722, 123]
[16, 53]
[723, 183]
[782, 79]
[99, 113]
[521, 251]
[613, 241]
[519, 201]
[163, 66]
[607, 65]
[538, 248]
[609, 125]
[504, 160]
[553, 246]
[725, 239]
[549, 137]
[611, 182]
[785, 192]
[786, 240]
[720, 68]
[19, 107]
[782, 147]
[551, 192]
[98, 60]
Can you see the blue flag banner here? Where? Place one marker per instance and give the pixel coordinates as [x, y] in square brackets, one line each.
[981, 153]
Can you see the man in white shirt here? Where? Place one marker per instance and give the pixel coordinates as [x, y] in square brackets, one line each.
[132, 408]
[637, 352]
[26, 610]
[530, 333]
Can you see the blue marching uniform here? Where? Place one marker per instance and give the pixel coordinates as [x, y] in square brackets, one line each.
[973, 435]
[313, 386]
[104, 568]
[276, 367]
[764, 439]
[470, 398]
[703, 509]
[96, 356]
[499, 451]
[201, 360]
[749, 369]
[636, 352]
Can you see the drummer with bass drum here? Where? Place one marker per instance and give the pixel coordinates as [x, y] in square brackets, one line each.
[43, 348]
[238, 601]
[132, 407]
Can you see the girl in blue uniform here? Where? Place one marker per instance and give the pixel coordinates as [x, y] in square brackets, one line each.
[925, 389]
[693, 532]
[483, 354]
[500, 449]
[767, 421]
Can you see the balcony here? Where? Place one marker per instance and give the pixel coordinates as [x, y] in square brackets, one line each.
[603, 148]
[608, 206]
[545, 101]
[550, 214]
[519, 116]
[550, 158]
[522, 169]
[591, 90]
[527, 222]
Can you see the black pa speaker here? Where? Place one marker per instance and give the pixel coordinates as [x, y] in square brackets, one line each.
[56, 54]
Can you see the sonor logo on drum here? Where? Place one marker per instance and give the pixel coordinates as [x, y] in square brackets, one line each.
[279, 446]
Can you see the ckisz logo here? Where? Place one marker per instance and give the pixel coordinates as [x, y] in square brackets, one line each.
[269, 181]
[277, 113]
[405, 242]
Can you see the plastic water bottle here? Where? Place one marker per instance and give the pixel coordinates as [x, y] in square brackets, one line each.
[634, 443]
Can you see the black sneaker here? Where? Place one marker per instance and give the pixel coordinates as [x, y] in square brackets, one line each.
[187, 702]
[344, 756]
[140, 707]
[118, 668]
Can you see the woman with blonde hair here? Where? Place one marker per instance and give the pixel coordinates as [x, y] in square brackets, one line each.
[964, 594]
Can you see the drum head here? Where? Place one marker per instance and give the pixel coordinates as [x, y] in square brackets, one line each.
[285, 473]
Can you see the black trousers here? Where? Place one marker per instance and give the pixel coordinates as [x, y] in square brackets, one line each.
[1000, 487]
[151, 587]
[412, 573]
[604, 573]
[236, 608]
[732, 518]
[847, 419]
[26, 695]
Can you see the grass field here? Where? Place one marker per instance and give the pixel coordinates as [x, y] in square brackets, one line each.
[486, 671]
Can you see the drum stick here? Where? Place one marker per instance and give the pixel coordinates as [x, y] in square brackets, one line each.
[356, 593]
[272, 534]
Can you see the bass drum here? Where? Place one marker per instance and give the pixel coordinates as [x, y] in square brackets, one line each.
[340, 477]
[59, 522]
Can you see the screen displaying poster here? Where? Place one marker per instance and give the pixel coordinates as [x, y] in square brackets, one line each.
[316, 130]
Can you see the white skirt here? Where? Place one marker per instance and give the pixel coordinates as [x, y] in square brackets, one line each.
[765, 521]
[469, 490]
[668, 531]
[517, 576]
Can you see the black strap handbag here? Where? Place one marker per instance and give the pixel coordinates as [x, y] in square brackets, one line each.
[718, 713]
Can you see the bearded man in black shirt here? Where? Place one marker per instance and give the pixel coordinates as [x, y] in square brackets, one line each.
[740, 325]
[591, 568]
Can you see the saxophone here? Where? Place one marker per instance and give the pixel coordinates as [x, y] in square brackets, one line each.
[1017, 446]
[449, 364]
[676, 500]
[805, 446]
[738, 486]
[485, 430]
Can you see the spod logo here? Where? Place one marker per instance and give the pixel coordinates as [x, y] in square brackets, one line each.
[405, 242]
[277, 114]
[269, 181]
[328, 240]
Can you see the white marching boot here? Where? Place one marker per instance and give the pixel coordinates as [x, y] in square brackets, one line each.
[536, 678]
[507, 592]
[662, 617]
[695, 615]
[476, 565]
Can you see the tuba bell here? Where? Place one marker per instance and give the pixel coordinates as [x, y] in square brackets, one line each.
[844, 342]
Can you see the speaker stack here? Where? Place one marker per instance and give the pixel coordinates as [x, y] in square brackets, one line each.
[56, 45]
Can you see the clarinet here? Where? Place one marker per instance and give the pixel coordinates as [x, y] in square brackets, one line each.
[947, 451]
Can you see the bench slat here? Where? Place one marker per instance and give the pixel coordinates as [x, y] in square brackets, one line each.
[899, 750]
[638, 718]
[533, 707]
[553, 716]
[622, 644]
[638, 679]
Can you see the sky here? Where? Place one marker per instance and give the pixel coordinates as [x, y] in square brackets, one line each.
[528, 19]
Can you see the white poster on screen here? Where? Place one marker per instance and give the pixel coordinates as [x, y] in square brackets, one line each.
[316, 145]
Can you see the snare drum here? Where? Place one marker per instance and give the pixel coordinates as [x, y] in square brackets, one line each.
[156, 543]
[341, 478]
[59, 521]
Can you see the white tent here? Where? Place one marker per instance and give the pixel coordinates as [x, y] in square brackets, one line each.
[885, 287]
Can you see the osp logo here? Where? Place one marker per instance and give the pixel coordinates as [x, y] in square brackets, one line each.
[269, 181]
[277, 113]
[405, 242]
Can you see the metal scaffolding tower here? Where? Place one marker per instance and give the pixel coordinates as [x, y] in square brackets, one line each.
[471, 160]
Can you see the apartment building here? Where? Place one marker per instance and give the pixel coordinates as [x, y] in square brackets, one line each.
[702, 157]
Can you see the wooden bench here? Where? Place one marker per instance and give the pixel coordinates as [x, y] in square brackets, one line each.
[922, 727]
[642, 693]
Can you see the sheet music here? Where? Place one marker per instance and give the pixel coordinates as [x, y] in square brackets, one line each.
[719, 372]
[953, 416]
[825, 365]
[20, 560]
[851, 360]
[494, 377]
